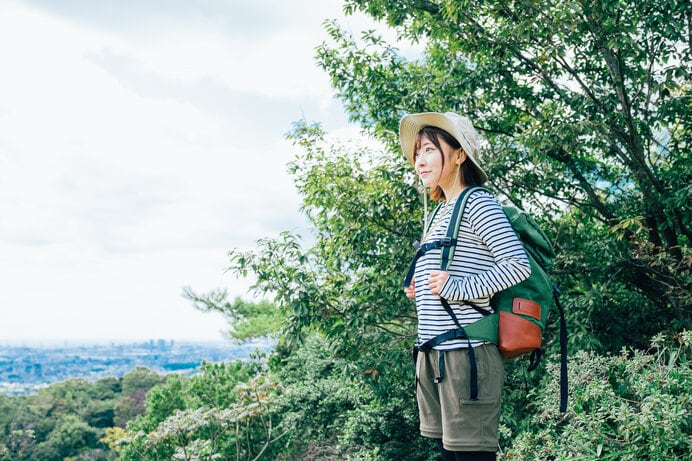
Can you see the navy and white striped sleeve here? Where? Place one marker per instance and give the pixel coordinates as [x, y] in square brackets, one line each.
[510, 266]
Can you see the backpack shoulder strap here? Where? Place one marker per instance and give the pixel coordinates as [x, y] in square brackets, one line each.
[453, 227]
[445, 258]
[448, 251]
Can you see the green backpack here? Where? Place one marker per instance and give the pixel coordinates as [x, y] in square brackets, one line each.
[538, 292]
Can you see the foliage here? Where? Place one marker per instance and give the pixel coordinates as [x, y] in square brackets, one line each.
[346, 285]
[635, 406]
[334, 410]
[68, 420]
[111, 437]
[585, 117]
[386, 429]
[200, 434]
[135, 386]
[70, 436]
[319, 391]
[222, 413]
[584, 108]
[214, 387]
[248, 320]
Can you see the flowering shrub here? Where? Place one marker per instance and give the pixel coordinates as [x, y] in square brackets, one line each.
[243, 430]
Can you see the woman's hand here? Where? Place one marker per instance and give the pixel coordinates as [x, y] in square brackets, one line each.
[410, 291]
[437, 281]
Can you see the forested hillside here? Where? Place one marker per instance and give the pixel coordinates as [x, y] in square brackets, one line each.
[67, 420]
[585, 111]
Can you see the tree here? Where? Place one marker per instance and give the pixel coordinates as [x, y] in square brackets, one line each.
[248, 320]
[585, 112]
[332, 414]
[347, 285]
[135, 385]
[223, 413]
[584, 109]
[70, 437]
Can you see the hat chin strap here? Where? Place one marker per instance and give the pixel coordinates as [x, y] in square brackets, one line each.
[425, 207]
[424, 192]
[454, 186]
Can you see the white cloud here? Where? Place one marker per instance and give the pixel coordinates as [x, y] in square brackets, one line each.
[135, 154]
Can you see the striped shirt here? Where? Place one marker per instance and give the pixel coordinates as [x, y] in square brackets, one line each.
[488, 258]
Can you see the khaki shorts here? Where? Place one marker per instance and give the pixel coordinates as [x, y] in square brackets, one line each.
[445, 409]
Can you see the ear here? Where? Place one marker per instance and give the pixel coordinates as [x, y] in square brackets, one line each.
[461, 156]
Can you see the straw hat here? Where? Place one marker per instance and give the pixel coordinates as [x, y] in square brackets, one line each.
[459, 127]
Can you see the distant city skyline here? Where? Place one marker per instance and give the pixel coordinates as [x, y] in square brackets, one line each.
[26, 369]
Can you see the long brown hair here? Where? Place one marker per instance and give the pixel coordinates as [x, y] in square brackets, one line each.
[467, 172]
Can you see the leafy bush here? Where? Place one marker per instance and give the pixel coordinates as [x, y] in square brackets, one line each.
[318, 393]
[386, 430]
[632, 406]
[338, 409]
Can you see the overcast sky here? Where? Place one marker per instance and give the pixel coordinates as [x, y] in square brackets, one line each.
[139, 142]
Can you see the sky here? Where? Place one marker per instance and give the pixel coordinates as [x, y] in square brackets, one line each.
[140, 141]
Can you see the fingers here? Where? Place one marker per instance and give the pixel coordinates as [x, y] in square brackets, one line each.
[410, 291]
[436, 281]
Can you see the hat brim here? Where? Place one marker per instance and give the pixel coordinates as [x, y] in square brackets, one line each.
[411, 124]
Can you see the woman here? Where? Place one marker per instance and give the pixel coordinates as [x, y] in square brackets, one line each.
[443, 148]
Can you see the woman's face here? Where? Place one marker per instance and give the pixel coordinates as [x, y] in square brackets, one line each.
[430, 167]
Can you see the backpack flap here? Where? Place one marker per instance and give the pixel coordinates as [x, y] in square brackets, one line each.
[517, 334]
